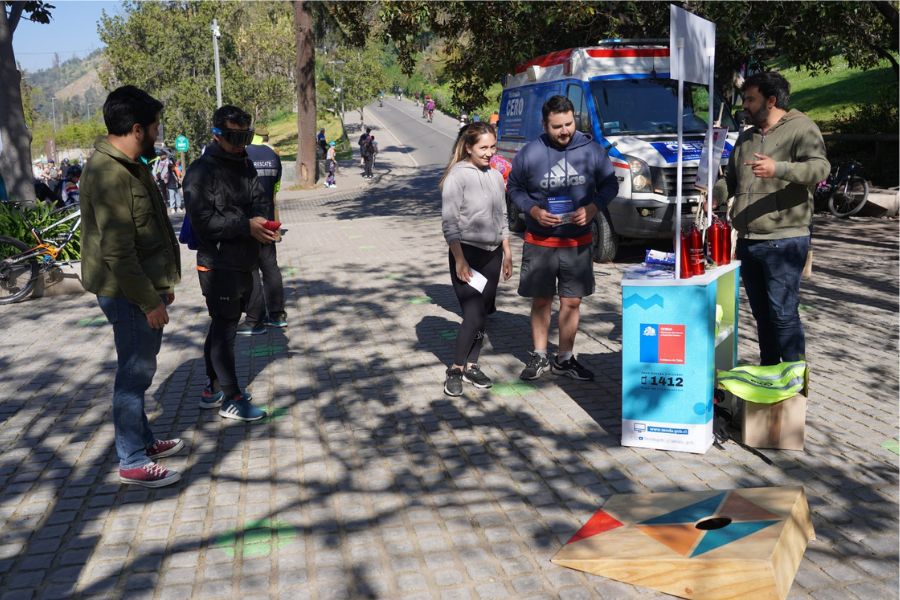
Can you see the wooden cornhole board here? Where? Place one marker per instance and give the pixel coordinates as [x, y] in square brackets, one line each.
[749, 542]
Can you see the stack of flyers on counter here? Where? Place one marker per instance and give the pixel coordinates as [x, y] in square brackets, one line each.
[644, 271]
[655, 257]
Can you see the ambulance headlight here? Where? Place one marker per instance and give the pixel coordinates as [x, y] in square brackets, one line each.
[641, 180]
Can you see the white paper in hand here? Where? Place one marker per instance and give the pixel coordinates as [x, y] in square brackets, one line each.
[478, 281]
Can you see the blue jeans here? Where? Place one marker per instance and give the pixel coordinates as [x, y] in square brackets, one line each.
[770, 270]
[136, 348]
[176, 199]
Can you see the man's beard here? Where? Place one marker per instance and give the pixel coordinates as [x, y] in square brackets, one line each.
[148, 150]
[760, 117]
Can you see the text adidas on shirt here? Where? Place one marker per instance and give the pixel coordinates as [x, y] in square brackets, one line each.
[562, 175]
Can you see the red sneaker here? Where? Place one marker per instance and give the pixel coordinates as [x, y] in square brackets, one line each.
[150, 475]
[164, 448]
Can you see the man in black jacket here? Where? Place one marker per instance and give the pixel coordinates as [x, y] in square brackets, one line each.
[227, 210]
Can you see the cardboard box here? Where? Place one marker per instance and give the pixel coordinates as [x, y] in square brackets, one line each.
[781, 425]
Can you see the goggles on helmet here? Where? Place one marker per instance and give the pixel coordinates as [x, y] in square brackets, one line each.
[235, 137]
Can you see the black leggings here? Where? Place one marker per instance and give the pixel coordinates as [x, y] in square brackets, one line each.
[227, 293]
[475, 306]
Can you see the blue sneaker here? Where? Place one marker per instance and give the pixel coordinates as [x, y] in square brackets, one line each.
[246, 328]
[240, 409]
[279, 321]
[211, 399]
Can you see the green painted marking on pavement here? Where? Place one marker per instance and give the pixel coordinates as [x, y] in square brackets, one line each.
[892, 445]
[256, 538]
[92, 322]
[512, 388]
[355, 236]
[367, 247]
[420, 300]
[264, 350]
[804, 307]
[275, 413]
[289, 271]
[396, 276]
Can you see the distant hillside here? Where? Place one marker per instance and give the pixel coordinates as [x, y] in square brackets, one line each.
[81, 86]
[74, 83]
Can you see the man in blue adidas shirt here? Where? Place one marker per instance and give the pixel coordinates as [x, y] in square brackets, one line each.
[560, 181]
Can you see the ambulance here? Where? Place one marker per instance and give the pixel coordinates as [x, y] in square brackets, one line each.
[624, 98]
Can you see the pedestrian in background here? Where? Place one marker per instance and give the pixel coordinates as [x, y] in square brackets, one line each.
[321, 141]
[771, 174]
[331, 165]
[362, 140]
[473, 219]
[173, 184]
[369, 151]
[266, 305]
[131, 261]
[227, 208]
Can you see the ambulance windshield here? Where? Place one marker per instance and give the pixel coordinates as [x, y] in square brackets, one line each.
[649, 106]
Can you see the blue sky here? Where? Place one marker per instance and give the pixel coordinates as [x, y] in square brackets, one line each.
[71, 32]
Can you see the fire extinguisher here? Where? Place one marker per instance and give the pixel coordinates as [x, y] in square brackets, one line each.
[685, 262]
[726, 246]
[695, 252]
[714, 241]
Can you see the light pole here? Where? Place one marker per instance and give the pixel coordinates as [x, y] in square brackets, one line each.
[340, 90]
[216, 34]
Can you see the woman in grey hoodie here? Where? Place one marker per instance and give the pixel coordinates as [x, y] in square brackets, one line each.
[474, 225]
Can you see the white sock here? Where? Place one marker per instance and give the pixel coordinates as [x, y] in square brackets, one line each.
[541, 353]
[563, 356]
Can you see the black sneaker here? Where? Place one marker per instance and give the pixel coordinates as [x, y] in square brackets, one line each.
[246, 328]
[537, 364]
[453, 386]
[571, 368]
[476, 377]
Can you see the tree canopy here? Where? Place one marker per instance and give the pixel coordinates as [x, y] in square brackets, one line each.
[485, 40]
[166, 49]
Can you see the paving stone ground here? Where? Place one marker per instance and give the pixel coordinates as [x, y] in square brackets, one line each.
[366, 481]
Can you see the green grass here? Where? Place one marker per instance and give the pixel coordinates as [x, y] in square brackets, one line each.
[824, 95]
[283, 135]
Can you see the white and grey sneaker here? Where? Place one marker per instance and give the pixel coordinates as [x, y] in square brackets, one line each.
[536, 366]
[476, 377]
[453, 385]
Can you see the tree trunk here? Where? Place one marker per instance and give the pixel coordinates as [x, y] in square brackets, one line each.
[306, 95]
[15, 158]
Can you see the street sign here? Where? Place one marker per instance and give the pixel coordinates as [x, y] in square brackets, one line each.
[181, 144]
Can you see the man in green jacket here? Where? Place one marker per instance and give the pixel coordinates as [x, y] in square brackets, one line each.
[131, 261]
[771, 174]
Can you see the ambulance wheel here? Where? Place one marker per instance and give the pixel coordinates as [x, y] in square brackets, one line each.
[606, 242]
[514, 218]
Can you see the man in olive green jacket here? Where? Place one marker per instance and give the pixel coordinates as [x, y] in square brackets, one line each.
[771, 174]
[131, 260]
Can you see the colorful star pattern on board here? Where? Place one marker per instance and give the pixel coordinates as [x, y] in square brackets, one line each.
[728, 516]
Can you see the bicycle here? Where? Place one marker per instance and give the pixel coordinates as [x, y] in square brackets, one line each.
[20, 265]
[844, 191]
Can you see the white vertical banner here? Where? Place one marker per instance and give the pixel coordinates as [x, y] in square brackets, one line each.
[692, 44]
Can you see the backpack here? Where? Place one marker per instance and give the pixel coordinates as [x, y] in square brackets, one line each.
[368, 148]
[187, 236]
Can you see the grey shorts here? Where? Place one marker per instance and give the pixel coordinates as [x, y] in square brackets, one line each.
[542, 267]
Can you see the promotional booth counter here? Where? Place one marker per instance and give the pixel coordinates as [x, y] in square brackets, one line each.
[675, 334]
